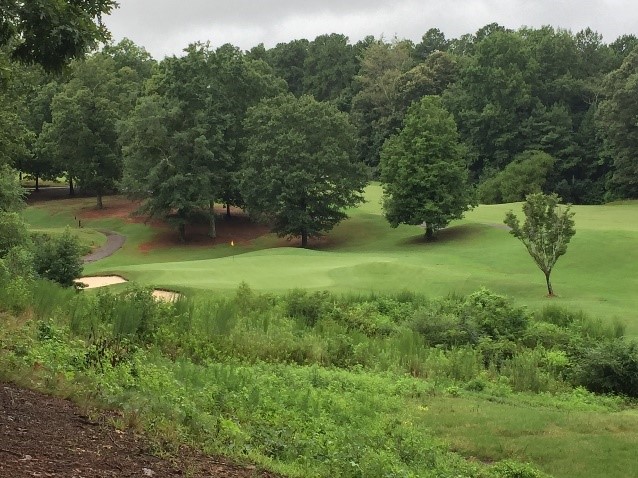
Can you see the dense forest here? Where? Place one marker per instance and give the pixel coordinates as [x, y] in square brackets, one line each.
[534, 110]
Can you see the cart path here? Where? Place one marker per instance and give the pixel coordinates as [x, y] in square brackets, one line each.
[114, 242]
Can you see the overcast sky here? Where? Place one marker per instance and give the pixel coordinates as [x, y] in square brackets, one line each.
[165, 27]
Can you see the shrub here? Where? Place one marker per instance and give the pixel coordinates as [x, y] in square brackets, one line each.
[440, 328]
[512, 469]
[525, 175]
[15, 293]
[367, 319]
[546, 335]
[307, 307]
[495, 316]
[59, 258]
[611, 367]
[13, 232]
[560, 316]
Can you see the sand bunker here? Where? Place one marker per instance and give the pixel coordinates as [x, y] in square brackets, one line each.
[166, 295]
[93, 282]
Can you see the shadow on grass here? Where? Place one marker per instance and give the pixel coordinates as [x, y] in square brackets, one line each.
[463, 232]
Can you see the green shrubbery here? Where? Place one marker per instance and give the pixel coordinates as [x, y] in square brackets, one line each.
[328, 393]
[527, 174]
[58, 258]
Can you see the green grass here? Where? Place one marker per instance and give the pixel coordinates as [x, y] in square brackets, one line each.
[559, 434]
[363, 254]
[562, 442]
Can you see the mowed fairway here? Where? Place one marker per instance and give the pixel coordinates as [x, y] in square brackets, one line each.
[599, 273]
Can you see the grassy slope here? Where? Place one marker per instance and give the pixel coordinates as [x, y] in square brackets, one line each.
[565, 443]
[363, 254]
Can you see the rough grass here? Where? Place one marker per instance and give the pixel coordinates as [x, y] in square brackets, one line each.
[565, 443]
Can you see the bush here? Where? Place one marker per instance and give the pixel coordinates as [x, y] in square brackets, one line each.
[59, 258]
[525, 175]
[440, 328]
[611, 367]
[13, 232]
[15, 292]
[546, 335]
[307, 307]
[512, 469]
[495, 316]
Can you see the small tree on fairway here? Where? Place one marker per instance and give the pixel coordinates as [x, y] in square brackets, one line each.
[546, 231]
[423, 170]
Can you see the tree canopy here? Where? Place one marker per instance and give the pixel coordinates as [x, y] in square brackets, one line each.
[423, 169]
[300, 172]
[183, 142]
[617, 122]
[52, 32]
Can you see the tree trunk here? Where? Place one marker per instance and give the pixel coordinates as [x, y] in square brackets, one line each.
[20, 175]
[227, 211]
[100, 204]
[37, 183]
[304, 238]
[71, 188]
[181, 229]
[429, 232]
[212, 230]
[550, 290]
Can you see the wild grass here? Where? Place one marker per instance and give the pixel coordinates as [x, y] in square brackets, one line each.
[318, 384]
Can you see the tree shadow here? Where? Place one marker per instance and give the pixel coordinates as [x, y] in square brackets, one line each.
[462, 232]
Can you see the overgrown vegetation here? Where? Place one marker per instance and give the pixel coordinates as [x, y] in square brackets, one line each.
[311, 384]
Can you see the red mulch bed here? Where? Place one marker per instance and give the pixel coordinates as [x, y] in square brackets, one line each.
[42, 436]
[238, 228]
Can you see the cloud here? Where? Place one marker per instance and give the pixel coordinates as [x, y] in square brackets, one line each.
[165, 27]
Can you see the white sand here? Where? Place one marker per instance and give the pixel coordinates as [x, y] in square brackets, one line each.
[93, 282]
[100, 281]
[165, 295]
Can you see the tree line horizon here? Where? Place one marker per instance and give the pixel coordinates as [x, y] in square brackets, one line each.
[526, 111]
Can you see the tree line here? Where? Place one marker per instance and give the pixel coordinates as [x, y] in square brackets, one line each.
[292, 133]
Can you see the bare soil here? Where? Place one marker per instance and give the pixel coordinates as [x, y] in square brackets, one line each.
[42, 436]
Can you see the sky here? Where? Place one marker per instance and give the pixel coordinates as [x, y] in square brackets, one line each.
[166, 27]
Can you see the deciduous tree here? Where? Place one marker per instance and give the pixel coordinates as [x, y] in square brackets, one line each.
[300, 172]
[424, 171]
[617, 122]
[52, 32]
[546, 231]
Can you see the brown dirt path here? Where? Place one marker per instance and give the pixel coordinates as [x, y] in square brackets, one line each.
[42, 436]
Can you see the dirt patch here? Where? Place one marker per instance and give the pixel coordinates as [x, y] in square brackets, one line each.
[46, 436]
[51, 193]
[93, 282]
[115, 207]
[238, 229]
